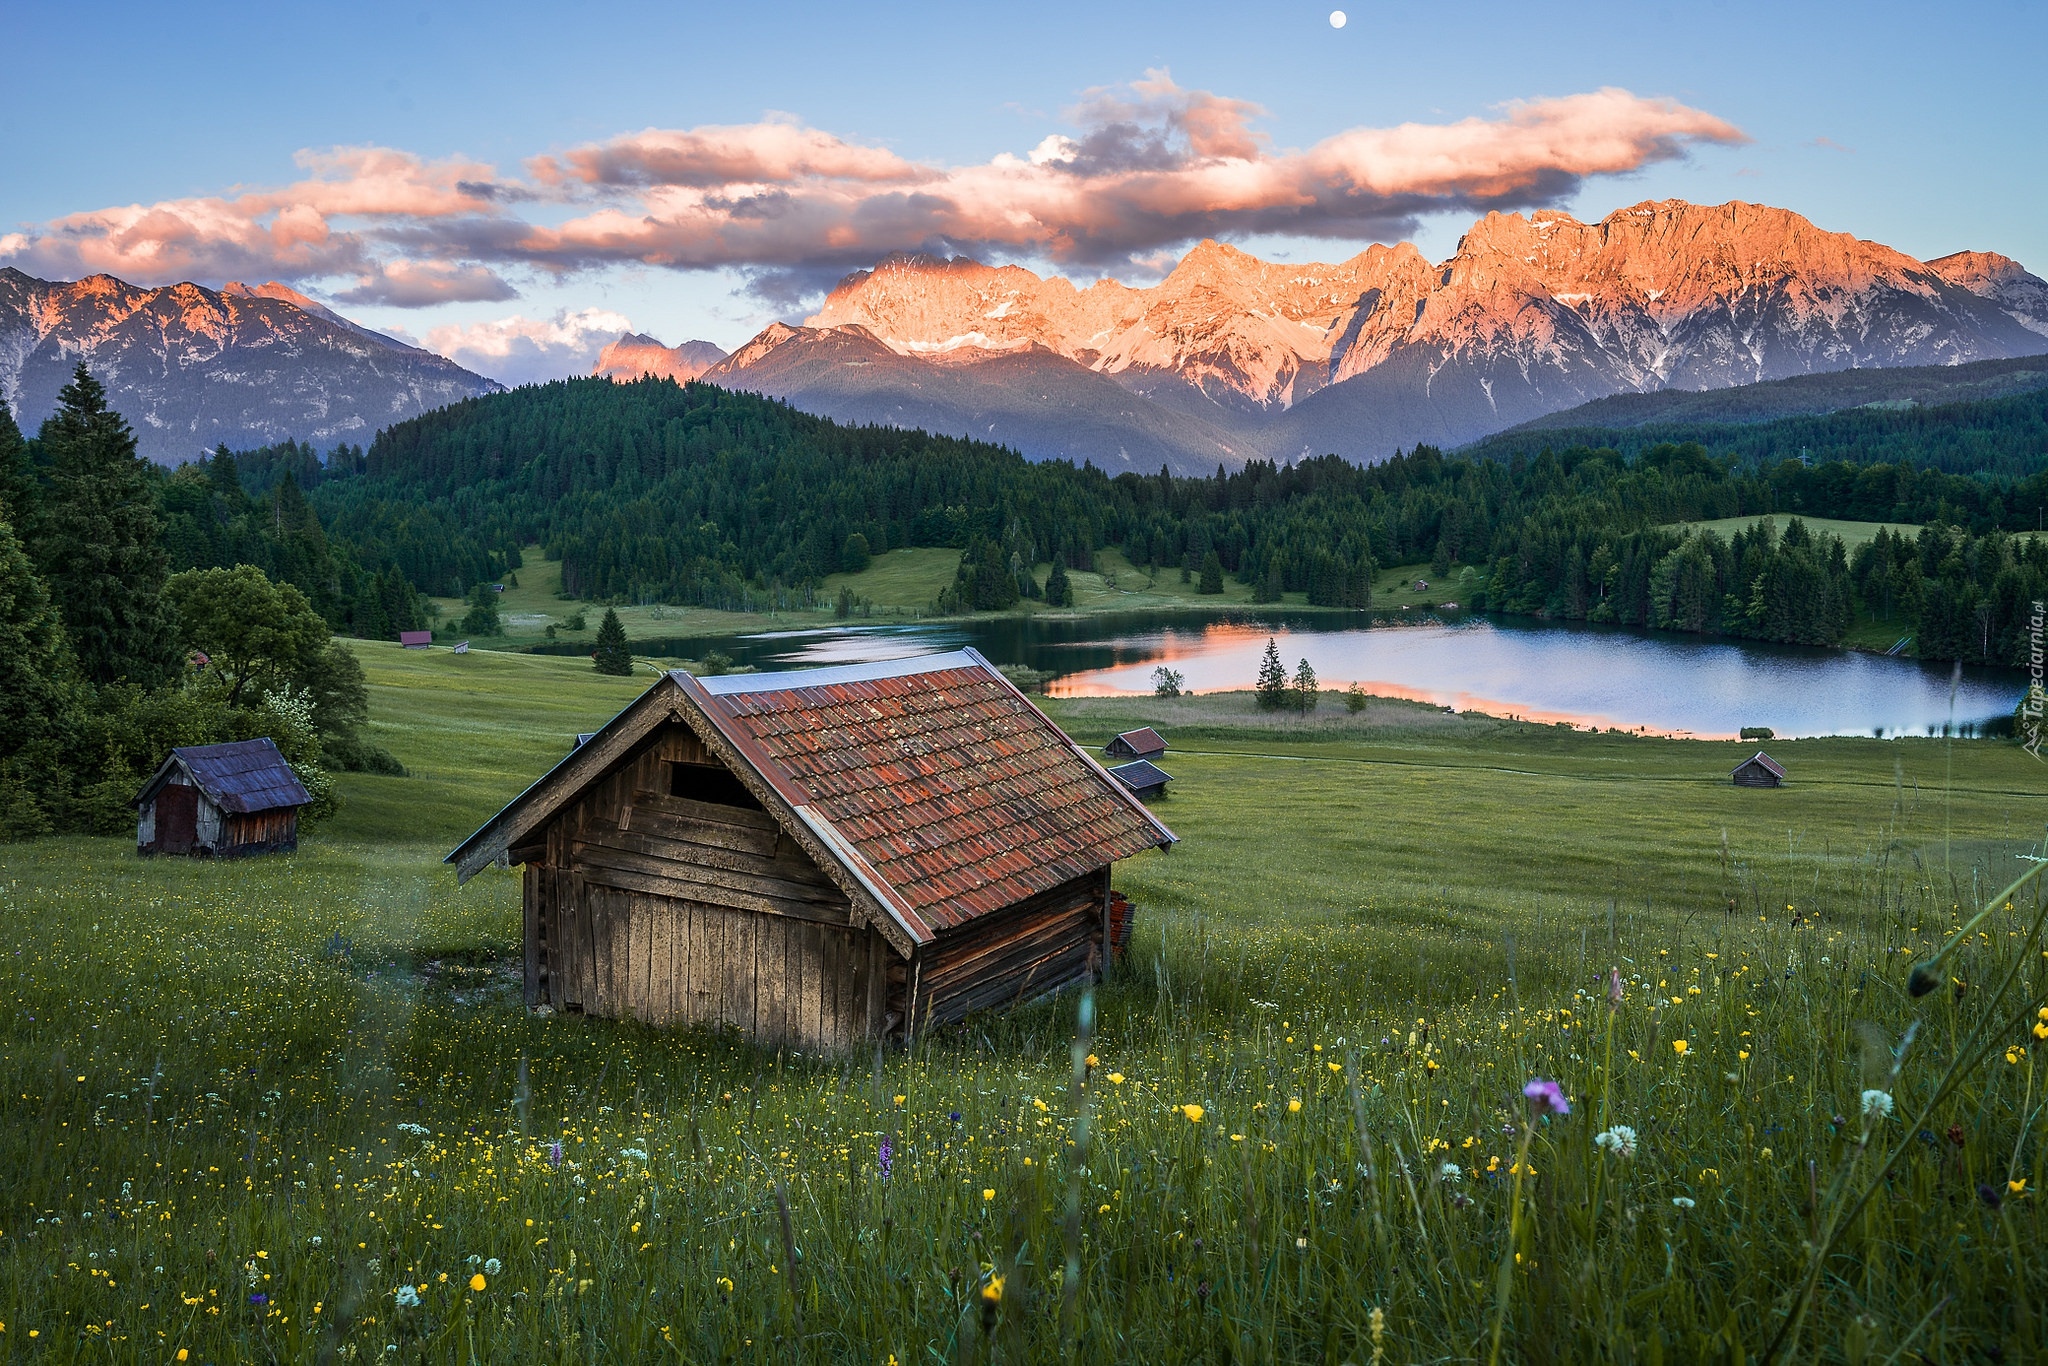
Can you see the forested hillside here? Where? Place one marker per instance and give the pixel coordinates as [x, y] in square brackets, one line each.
[692, 494]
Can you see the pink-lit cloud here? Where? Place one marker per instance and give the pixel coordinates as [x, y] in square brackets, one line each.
[1141, 168]
[521, 350]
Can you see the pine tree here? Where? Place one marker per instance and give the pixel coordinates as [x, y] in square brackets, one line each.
[19, 487]
[1272, 687]
[98, 542]
[611, 656]
[1059, 589]
[1212, 573]
[35, 694]
[1306, 694]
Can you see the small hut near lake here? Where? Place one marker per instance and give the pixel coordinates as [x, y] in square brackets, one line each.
[222, 801]
[1142, 743]
[1145, 779]
[1759, 770]
[818, 858]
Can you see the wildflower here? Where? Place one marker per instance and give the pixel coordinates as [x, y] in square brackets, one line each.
[1339, 1067]
[2018, 1187]
[901, 1099]
[988, 1193]
[885, 1157]
[1680, 1047]
[259, 1299]
[493, 1266]
[1092, 1060]
[992, 1293]
[637, 1154]
[1546, 1096]
[1620, 1140]
[407, 1297]
[1877, 1104]
[1682, 1201]
[1116, 1079]
[1451, 1171]
[1193, 1112]
[1294, 1105]
[477, 1283]
[1991, 1195]
[555, 1154]
[724, 1284]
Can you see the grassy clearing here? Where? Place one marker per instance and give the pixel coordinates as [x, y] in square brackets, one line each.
[308, 1079]
[1852, 534]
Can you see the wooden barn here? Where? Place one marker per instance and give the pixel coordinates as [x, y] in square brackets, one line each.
[818, 858]
[1142, 743]
[1758, 770]
[223, 801]
[1145, 779]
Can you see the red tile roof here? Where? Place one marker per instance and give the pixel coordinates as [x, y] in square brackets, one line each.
[958, 793]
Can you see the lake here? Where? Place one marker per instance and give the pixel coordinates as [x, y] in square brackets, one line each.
[1588, 675]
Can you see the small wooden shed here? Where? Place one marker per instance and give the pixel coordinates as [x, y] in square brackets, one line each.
[819, 857]
[222, 801]
[1142, 743]
[415, 640]
[1145, 779]
[1759, 770]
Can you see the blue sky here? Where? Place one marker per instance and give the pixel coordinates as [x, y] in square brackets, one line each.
[1918, 126]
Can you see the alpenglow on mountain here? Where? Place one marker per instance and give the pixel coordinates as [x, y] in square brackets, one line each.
[191, 367]
[1231, 358]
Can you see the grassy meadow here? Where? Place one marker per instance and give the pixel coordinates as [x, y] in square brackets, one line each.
[291, 1108]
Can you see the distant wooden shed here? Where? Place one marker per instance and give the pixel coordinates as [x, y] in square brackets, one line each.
[1145, 779]
[1759, 770]
[819, 857]
[1142, 743]
[222, 801]
[415, 640]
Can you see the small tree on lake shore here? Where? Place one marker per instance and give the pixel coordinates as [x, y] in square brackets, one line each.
[1272, 687]
[611, 655]
[1306, 695]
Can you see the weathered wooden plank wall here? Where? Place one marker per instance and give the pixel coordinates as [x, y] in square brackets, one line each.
[1013, 955]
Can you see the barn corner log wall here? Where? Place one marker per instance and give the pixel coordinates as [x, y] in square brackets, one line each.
[1008, 957]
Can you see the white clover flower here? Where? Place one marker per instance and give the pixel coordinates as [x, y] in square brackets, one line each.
[407, 1297]
[1877, 1104]
[1451, 1171]
[637, 1154]
[1620, 1140]
[419, 1130]
[492, 1266]
[1682, 1201]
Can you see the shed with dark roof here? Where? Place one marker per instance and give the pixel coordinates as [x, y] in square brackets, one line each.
[1759, 770]
[1144, 778]
[818, 857]
[223, 801]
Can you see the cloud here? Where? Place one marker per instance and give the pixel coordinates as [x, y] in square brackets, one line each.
[519, 350]
[1136, 171]
[418, 284]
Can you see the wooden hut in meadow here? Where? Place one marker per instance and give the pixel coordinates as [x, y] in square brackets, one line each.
[1142, 743]
[223, 801]
[1758, 770]
[818, 858]
[415, 640]
[1145, 779]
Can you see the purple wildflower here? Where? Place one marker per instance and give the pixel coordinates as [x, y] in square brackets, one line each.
[1614, 986]
[555, 1154]
[884, 1157]
[259, 1299]
[1546, 1097]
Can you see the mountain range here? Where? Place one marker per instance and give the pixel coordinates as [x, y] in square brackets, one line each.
[1231, 358]
[191, 367]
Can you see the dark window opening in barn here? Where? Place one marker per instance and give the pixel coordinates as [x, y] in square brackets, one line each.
[709, 783]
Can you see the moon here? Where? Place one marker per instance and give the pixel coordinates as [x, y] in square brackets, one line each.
[1336, 18]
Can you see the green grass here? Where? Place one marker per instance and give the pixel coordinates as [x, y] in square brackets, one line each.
[1393, 917]
[1852, 534]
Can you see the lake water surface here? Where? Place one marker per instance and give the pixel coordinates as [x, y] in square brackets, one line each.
[1588, 675]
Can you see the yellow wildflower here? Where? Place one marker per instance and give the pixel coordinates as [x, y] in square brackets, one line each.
[1193, 1112]
[476, 1283]
[1678, 1046]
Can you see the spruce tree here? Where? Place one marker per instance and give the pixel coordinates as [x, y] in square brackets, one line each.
[19, 487]
[1272, 688]
[611, 656]
[1059, 589]
[98, 542]
[1306, 694]
[35, 695]
[1212, 573]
